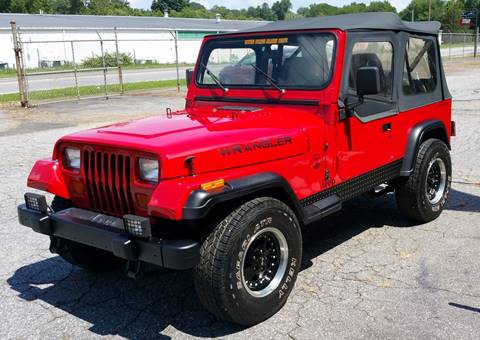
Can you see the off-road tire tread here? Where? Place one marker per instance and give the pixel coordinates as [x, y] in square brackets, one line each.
[406, 193]
[214, 252]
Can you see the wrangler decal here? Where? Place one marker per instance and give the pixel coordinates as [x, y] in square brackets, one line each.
[254, 146]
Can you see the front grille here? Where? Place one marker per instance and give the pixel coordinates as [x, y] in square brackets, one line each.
[108, 180]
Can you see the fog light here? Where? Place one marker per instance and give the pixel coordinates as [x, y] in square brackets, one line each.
[36, 202]
[137, 226]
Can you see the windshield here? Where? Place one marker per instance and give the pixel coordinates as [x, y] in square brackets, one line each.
[288, 60]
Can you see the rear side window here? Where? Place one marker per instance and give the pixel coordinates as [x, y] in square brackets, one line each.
[377, 54]
[419, 73]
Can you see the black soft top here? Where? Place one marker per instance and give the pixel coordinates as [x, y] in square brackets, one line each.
[347, 22]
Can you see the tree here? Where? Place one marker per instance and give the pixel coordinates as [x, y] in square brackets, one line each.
[420, 9]
[107, 7]
[18, 6]
[452, 14]
[318, 10]
[265, 12]
[381, 6]
[354, 7]
[75, 6]
[281, 8]
[171, 5]
[196, 6]
[5, 6]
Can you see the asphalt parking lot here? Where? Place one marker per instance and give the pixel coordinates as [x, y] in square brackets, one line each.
[367, 271]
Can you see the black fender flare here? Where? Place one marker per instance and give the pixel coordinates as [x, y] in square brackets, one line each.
[201, 202]
[415, 137]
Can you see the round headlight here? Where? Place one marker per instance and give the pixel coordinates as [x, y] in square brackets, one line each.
[71, 158]
[148, 169]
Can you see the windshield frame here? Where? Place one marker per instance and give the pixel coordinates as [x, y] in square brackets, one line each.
[218, 41]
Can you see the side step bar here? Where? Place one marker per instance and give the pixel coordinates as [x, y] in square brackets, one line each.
[322, 208]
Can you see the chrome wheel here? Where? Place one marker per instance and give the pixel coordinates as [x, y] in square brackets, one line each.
[264, 262]
[436, 180]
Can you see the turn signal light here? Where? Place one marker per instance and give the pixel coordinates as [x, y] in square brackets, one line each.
[219, 183]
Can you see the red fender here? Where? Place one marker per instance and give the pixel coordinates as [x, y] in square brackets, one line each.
[47, 176]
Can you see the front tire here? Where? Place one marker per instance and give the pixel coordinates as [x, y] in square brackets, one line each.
[423, 195]
[78, 254]
[250, 261]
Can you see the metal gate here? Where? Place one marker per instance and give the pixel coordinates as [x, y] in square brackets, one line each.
[72, 77]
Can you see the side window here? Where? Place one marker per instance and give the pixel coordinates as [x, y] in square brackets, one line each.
[373, 53]
[419, 73]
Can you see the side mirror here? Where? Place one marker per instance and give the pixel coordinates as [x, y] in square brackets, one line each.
[368, 81]
[188, 76]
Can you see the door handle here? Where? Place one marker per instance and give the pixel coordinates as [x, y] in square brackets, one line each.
[387, 127]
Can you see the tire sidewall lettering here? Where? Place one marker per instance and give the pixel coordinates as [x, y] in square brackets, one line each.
[437, 207]
[286, 284]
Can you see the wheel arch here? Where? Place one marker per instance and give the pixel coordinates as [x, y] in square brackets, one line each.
[238, 191]
[417, 135]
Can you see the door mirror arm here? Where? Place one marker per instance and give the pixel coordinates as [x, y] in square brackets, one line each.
[347, 108]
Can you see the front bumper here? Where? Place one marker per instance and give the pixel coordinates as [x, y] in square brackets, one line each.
[104, 233]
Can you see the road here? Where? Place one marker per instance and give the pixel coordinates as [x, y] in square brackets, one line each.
[47, 82]
[457, 51]
[367, 272]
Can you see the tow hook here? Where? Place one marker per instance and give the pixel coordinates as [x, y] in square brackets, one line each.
[134, 269]
[56, 246]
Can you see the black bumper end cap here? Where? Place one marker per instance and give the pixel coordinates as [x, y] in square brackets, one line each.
[39, 222]
[180, 254]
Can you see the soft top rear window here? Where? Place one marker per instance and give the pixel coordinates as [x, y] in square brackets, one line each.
[288, 61]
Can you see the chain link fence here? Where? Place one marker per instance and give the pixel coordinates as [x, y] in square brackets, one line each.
[57, 64]
[459, 45]
[98, 64]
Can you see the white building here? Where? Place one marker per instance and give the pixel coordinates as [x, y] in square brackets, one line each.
[144, 38]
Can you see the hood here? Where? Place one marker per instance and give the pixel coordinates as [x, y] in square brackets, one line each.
[217, 137]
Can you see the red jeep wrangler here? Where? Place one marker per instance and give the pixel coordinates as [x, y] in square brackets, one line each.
[225, 186]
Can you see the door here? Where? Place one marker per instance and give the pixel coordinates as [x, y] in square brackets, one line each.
[365, 133]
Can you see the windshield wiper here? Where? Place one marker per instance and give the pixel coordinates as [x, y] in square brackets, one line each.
[215, 79]
[270, 79]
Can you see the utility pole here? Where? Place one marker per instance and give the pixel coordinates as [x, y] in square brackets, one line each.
[17, 47]
[429, 10]
[475, 36]
[413, 14]
[475, 43]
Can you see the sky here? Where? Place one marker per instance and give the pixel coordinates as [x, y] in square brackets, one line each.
[399, 4]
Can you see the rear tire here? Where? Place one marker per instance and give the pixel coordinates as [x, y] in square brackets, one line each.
[424, 194]
[249, 262]
[80, 255]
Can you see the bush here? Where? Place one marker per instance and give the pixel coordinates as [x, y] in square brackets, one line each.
[110, 60]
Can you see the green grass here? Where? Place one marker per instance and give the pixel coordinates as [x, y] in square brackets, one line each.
[454, 45]
[139, 66]
[12, 73]
[8, 73]
[86, 91]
